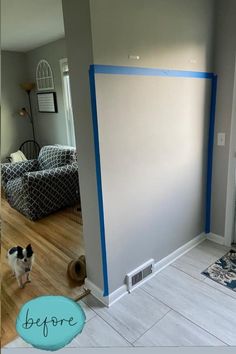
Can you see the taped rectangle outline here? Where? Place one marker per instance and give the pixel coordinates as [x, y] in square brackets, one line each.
[126, 70]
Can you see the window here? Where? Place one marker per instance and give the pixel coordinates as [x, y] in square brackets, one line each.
[44, 77]
[67, 102]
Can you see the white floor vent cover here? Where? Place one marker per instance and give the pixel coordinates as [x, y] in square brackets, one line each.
[137, 276]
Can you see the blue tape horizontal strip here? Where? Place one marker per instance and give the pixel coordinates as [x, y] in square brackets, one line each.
[131, 70]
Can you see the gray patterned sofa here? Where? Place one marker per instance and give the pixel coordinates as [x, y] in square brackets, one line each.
[39, 187]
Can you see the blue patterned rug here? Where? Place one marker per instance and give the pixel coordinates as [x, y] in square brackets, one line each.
[223, 271]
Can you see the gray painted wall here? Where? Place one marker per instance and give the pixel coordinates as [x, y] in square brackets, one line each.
[79, 47]
[144, 220]
[164, 33]
[224, 66]
[50, 127]
[14, 129]
[153, 143]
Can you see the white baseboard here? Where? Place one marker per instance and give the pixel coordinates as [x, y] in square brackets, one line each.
[163, 263]
[215, 238]
[117, 295]
[105, 300]
[95, 291]
[171, 258]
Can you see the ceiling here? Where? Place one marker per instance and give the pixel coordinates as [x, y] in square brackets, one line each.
[28, 24]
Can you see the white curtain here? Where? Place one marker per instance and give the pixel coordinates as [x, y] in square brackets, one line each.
[68, 106]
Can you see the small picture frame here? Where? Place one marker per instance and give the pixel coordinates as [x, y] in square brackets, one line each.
[47, 102]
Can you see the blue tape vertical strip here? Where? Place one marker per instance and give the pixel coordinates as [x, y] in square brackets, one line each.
[99, 179]
[210, 153]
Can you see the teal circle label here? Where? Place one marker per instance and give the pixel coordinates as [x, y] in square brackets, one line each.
[50, 322]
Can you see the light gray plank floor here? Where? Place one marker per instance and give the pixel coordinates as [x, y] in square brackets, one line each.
[210, 309]
[221, 288]
[133, 315]
[97, 333]
[177, 307]
[199, 258]
[175, 330]
[18, 343]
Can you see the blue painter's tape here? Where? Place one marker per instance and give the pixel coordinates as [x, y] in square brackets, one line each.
[139, 71]
[210, 153]
[99, 179]
[131, 70]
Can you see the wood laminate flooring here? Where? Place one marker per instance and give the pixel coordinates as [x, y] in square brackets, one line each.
[56, 240]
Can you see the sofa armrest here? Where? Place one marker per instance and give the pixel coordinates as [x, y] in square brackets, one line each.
[11, 171]
[56, 173]
[55, 181]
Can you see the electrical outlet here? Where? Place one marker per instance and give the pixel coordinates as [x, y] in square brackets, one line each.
[221, 139]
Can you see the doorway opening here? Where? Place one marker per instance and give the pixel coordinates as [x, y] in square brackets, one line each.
[37, 111]
[230, 224]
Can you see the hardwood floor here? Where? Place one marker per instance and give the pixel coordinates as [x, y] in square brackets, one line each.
[56, 240]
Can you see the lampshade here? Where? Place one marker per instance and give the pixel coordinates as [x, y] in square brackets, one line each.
[27, 86]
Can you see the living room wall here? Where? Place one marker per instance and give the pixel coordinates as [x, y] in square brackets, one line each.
[14, 129]
[50, 127]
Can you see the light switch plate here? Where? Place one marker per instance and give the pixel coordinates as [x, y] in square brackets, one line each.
[221, 139]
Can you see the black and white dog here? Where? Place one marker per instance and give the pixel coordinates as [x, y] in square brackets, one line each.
[21, 262]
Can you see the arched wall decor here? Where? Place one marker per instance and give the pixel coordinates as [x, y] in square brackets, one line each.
[44, 76]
